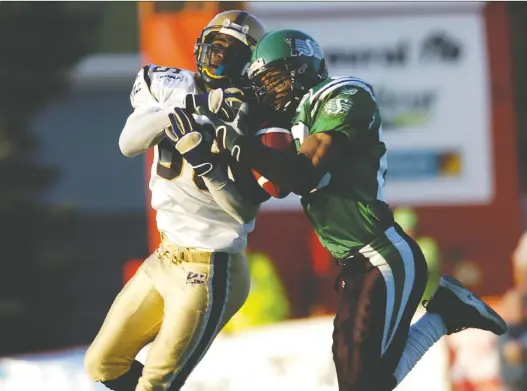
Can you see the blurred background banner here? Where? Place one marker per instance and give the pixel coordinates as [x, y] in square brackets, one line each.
[75, 216]
[431, 79]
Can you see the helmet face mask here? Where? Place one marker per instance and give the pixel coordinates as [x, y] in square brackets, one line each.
[224, 48]
[223, 60]
[284, 66]
[277, 85]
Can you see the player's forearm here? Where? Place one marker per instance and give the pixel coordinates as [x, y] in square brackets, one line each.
[293, 172]
[224, 192]
[142, 131]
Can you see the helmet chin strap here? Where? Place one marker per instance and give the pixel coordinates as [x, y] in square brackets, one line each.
[291, 105]
[220, 69]
[217, 75]
[212, 82]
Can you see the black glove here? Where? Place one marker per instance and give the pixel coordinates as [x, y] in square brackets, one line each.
[186, 135]
[223, 103]
[229, 134]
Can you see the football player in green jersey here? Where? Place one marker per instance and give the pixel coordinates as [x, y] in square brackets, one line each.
[339, 172]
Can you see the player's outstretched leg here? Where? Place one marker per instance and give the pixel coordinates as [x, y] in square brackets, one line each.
[452, 308]
[461, 309]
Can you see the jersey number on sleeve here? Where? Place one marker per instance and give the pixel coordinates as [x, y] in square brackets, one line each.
[167, 72]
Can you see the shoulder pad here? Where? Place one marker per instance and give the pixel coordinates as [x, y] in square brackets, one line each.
[355, 88]
[338, 85]
[162, 85]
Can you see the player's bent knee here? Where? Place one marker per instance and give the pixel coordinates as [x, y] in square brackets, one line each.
[94, 366]
[99, 368]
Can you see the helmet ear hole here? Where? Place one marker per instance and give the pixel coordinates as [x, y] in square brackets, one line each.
[323, 71]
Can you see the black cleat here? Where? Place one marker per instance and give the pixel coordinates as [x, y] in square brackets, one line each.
[461, 309]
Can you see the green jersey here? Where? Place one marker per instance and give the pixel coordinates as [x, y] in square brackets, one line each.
[346, 208]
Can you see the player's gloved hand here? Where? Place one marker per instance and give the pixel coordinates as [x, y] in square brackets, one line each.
[189, 141]
[223, 103]
[229, 134]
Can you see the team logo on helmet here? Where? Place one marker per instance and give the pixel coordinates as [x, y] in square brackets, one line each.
[304, 47]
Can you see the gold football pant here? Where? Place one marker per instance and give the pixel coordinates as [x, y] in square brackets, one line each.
[179, 300]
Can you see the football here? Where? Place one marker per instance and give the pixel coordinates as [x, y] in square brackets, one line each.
[276, 138]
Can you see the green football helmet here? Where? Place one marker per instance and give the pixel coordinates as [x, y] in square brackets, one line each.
[284, 65]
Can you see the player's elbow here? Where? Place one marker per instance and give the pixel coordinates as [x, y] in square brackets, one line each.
[126, 148]
[127, 145]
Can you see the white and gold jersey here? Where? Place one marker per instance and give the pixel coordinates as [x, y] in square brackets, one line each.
[186, 212]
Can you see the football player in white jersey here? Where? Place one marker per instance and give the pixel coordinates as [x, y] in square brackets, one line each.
[188, 289]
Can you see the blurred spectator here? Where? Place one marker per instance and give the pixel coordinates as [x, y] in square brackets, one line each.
[513, 344]
[267, 302]
[409, 222]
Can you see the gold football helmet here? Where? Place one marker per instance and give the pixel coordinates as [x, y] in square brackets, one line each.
[223, 50]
